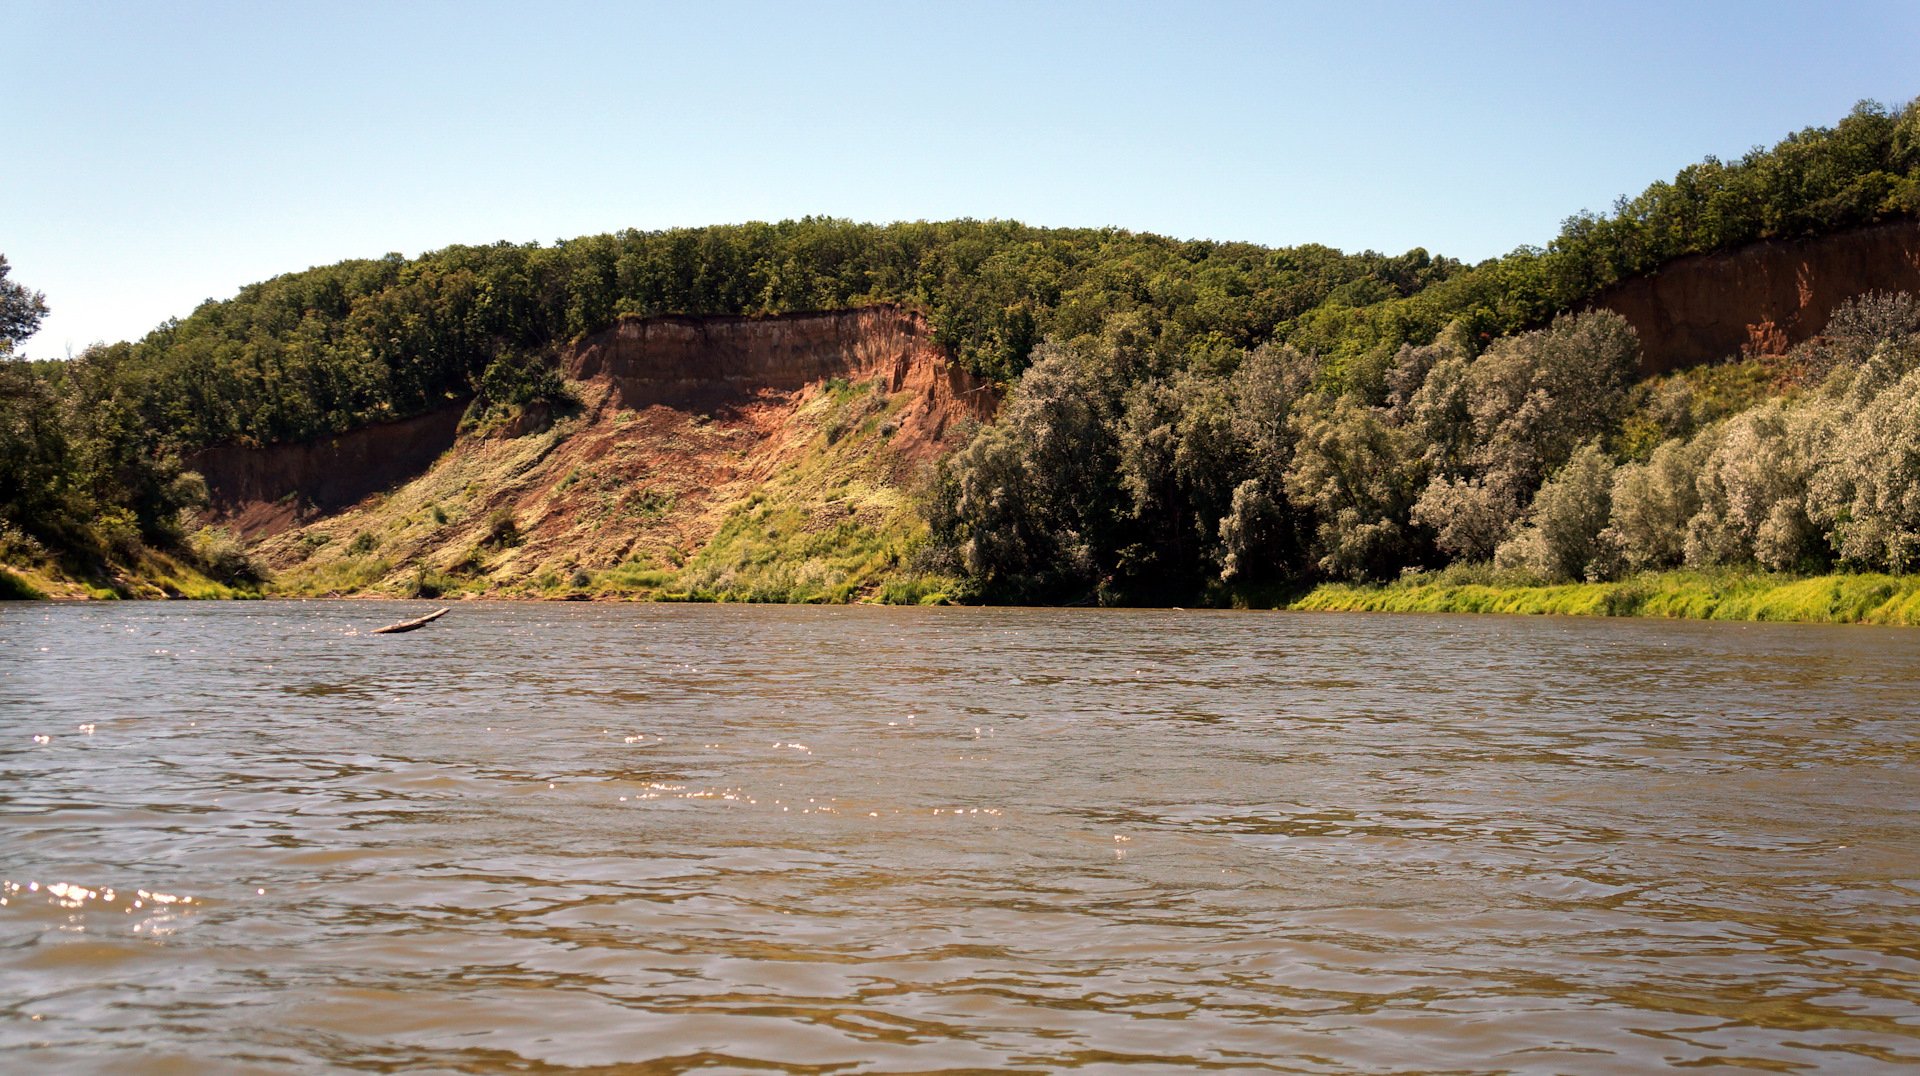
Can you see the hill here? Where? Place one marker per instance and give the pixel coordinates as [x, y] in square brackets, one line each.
[1185, 420]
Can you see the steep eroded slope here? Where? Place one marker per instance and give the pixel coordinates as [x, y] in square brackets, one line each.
[791, 440]
[1762, 298]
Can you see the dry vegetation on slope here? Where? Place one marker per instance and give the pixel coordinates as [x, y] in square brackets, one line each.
[670, 478]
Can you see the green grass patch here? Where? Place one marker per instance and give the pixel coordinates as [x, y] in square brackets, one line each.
[1713, 595]
[350, 575]
[636, 577]
[921, 590]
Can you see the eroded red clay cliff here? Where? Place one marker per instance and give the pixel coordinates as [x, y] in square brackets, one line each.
[262, 491]
[714, 362]
[1762, 298]
[673, 404]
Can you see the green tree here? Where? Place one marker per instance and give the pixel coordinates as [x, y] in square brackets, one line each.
[1179, 460]
[38, 492]
[21, 311]
[1562, 539]
[1654, 502]
[1753, 487]
[1866, 489]
[1358, 476]
[1030, 507]
[1264, 535]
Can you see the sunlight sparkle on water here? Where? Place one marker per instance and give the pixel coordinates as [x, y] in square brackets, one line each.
[1329, 844]
[72, 895]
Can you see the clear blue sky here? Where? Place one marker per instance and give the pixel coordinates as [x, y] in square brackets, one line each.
[162, 154]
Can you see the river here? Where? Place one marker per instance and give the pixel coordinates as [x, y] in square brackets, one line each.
[254, 837]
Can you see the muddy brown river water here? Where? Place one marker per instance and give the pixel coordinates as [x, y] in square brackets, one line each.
[254, 837]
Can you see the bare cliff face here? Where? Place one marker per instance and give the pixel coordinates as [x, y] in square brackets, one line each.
[715, 362]
[690, 433]
[1762, 298]
[262, 491]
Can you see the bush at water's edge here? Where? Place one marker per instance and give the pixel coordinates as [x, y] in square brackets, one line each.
[1831, 599]
[14, 588]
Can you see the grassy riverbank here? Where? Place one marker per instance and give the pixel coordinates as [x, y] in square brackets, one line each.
[1695, 595]
[146, 573]
[1826, 599]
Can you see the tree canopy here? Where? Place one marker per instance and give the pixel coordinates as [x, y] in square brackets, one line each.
[1182, 414]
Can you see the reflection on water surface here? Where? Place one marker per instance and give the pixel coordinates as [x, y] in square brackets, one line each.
[253, 837]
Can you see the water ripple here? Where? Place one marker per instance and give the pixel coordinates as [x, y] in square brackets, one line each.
[253, 837]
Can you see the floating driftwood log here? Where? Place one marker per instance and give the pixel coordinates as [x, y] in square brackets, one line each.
[409, 625]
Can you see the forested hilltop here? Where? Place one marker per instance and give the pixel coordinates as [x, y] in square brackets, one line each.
[1185, 420]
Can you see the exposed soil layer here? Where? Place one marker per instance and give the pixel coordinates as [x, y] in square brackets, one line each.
[680, 422]
[263, 491]
[1762, 298]
[717, 363]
